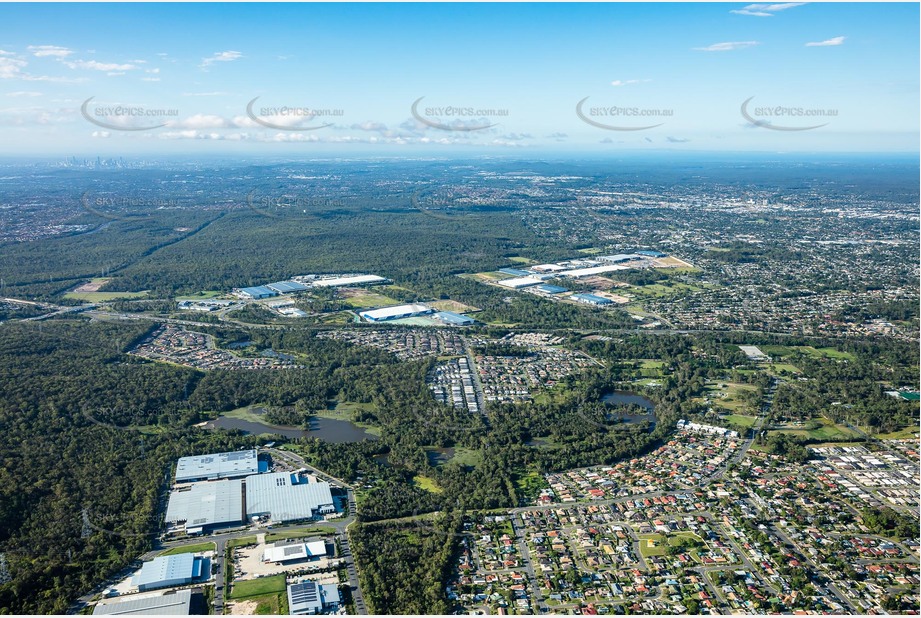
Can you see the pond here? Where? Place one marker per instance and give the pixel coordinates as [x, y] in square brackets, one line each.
[437, 456]
[326, 429]
[625, 398]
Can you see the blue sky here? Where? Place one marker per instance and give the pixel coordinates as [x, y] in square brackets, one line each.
[513, 72]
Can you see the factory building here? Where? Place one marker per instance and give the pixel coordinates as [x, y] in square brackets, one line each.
[312, 598]
[286, 496]
[591, 299]
[520, 282]
[255, 292]
[453, 319]
[335, 282]
[217, 466]
[652, 253]
[515, 272]
[551, 289]
[168, 571]
[289, 552]
[620, 257]
[171, 603]
[395, 313]
[286, 287]
[591, 270]
[208, 505]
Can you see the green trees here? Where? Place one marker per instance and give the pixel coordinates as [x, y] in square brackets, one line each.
[404, 566]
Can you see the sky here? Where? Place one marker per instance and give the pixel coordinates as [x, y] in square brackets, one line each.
[432, 79]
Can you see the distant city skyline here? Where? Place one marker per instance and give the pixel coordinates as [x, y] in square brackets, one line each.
[303, 80]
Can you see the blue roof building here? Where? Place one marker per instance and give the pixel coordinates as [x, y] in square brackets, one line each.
[652, 253]
[515, 272]
[166, 571]
[286, 287]
[591, 299]
[258, 291]
[551, 289]
[453, 319]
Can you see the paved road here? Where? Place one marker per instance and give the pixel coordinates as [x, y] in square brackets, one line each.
[341, 525]
[842, 598]
[537, 599]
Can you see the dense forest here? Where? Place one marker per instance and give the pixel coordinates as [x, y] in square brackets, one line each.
[406, 563]
[86, 440]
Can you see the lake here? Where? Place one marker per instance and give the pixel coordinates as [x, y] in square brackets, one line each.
[326, 429]
[624, 398]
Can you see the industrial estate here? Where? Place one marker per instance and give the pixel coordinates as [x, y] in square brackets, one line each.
[235, 497]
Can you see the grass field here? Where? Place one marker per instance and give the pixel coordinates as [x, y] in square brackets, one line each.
[530, 484]
[189, 549]
[729, 396]
[831, 353]
[271, 604]
[453, 305]
[739, 419]
[903, 434]
[781, 368]
[370, 299]
[246, 414]
[97, 297]
[241, 542]
[466, 457]
[522, 260]
[340, 317]
[652, 545]
[426, 483]
[808, 350]
[257, 587]
[658, 290]
[826, 432]
[491, 276]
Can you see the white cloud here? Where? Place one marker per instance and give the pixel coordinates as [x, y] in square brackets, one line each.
[766, 10]
[203, 121]
[224, 56]
[369, 125]
[11, 67]
[677, 140]
[150, 79]
[101, 134]
[24, 93]
[727, 46]
[93, 65]
[627, 82]
[153, 71]
[54, 51]
[838, 40]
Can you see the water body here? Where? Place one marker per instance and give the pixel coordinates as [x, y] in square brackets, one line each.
[437, 456]
[625, 398]
[326, 429]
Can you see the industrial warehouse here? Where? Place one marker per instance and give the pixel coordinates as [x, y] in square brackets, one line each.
[217, 466]
[171, 603]
[430, 317]
[302, 283]
[167, 571]
[286, 496]
[217, 502]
